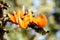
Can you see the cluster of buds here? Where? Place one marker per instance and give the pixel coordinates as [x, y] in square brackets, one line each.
[25, 19]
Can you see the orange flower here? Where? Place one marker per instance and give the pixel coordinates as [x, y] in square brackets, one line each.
[42, 20]
[16, 18]
[12, 18]
[24, 20]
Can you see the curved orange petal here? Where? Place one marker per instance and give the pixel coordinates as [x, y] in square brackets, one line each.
[22, 24]
[42, 20]
[12, 18]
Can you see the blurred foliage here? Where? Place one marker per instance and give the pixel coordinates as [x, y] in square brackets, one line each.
[45, 8]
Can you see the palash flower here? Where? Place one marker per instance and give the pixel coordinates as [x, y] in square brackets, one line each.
[16, 15]
[23, 19]
[41, 20]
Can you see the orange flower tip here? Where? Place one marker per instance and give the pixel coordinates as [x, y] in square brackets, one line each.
[12, 18]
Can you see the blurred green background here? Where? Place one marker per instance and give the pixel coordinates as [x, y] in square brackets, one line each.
[47, 7]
